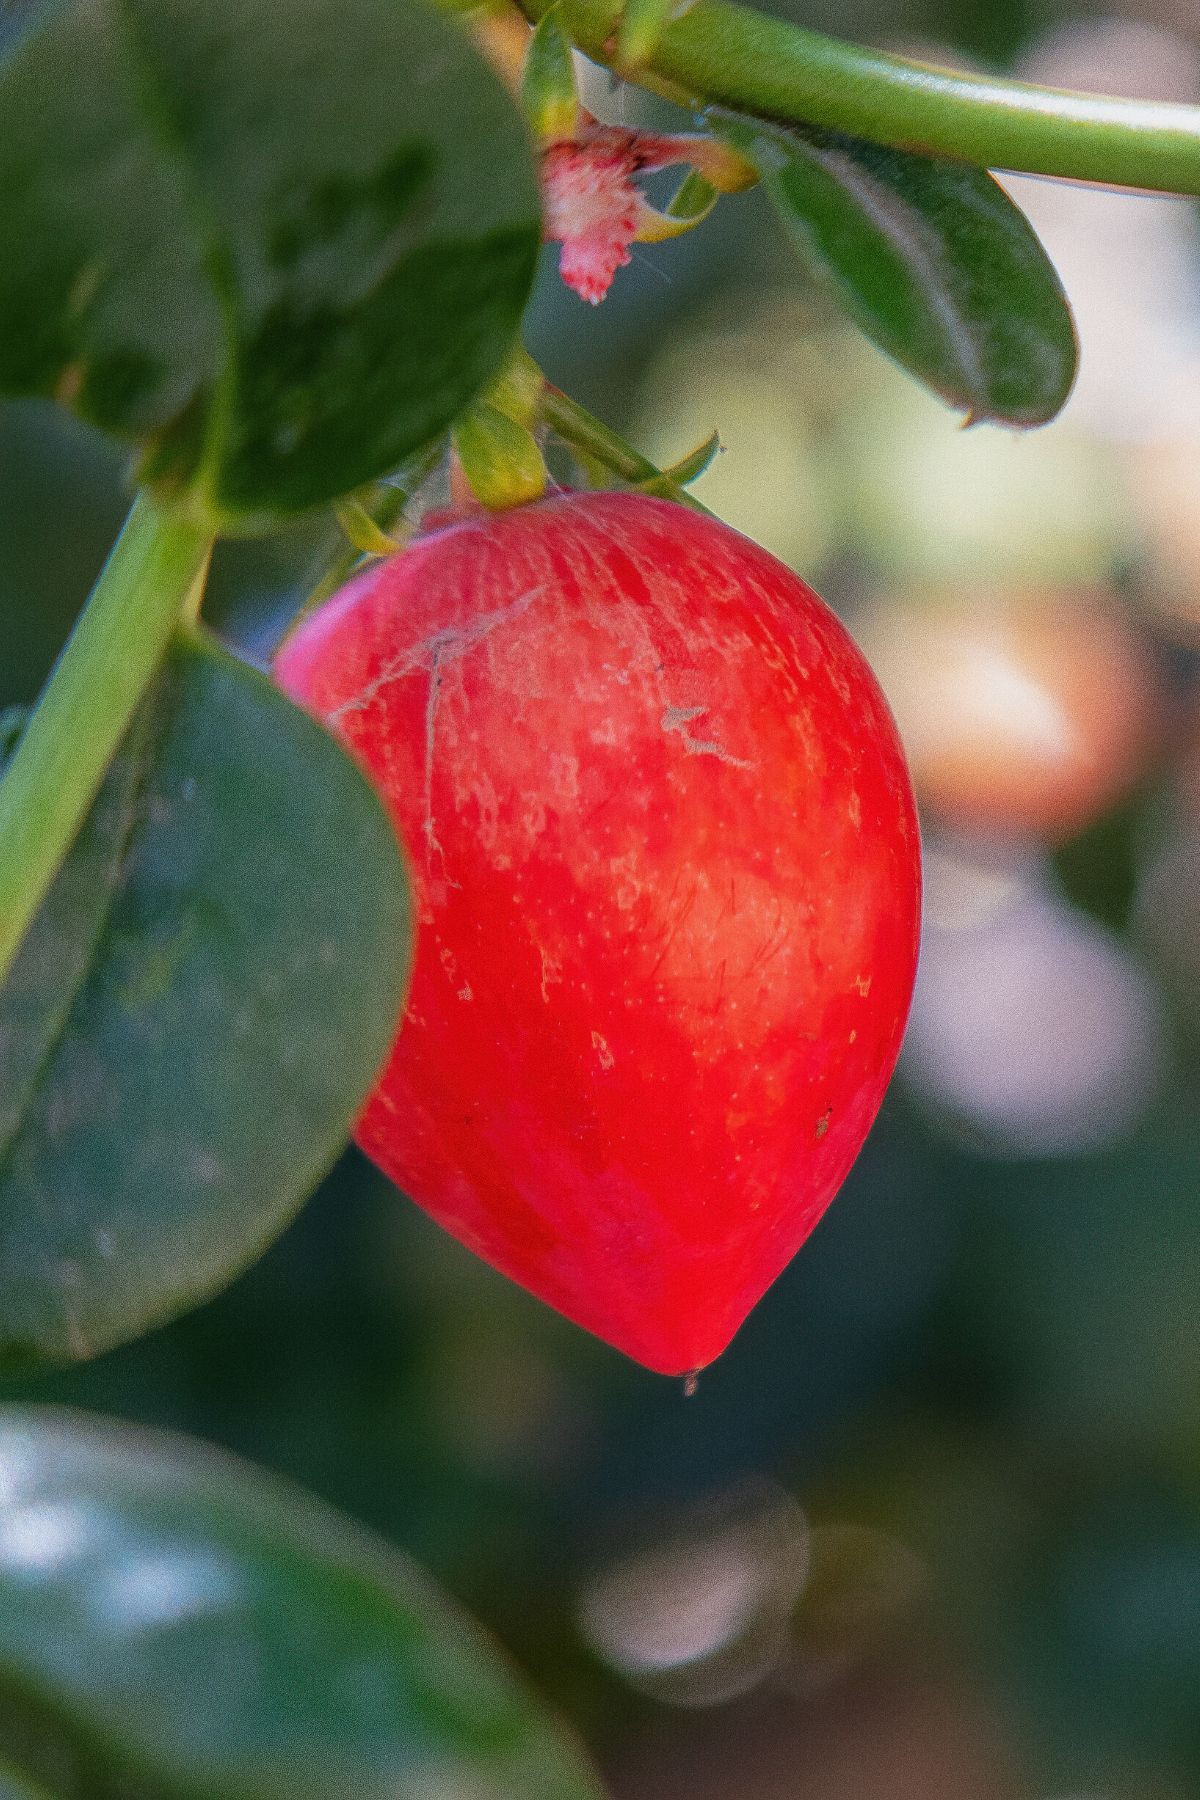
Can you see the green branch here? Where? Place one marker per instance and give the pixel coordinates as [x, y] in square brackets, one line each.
[721, 54]
[152, 577]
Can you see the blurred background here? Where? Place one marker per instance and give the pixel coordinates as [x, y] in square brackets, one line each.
[931, 1529]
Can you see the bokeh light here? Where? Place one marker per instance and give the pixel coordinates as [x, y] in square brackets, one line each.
[700, 1615]
[1031, 1024]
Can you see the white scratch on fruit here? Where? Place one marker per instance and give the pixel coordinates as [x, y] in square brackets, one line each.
[551, 971]
[863, 984]
[432, 842]
[447, 645]
[431, 655]
[626, 886]
[678, 718]
[603, 1054]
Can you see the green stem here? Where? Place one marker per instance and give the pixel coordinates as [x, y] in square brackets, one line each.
[593, 438]
[156, 569]
[721, 54]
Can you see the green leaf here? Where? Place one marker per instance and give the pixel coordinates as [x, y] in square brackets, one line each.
[196, 1013]
[932, 260]
[207, 1632]
[642, 25]
[260, 241]
[12, 723]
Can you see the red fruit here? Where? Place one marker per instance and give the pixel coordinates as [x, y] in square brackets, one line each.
[667, 872]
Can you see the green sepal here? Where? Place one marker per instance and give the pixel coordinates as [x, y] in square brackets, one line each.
[689, 468]
[500, 458]
[693, 199]
[690, 205]
[518, 389]
[363, 532]
[549, 92]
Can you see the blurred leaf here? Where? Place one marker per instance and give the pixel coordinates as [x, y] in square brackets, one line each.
[1104, 1655]
[932, 260]
[202, 1630]
[196, 1014]
[12, 723]
[16, 1787]
[259, 241]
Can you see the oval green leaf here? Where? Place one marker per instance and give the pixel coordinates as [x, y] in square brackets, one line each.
[932, 260]
[195, 1629]
[259, 242]
[196, 1013]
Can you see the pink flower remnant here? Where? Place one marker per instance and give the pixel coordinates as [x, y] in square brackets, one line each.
[592, 206]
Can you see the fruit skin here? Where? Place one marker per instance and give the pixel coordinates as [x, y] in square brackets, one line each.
[667, 869]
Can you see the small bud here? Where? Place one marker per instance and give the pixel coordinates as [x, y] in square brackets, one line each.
[500, 458]
[592, 208]
[595, 210]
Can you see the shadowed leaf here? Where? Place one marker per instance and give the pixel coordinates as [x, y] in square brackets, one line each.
[195, 1015]
[932, 260]
[266, 255]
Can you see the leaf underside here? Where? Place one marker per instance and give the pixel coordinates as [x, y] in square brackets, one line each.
[932, 260]
[196, 1014]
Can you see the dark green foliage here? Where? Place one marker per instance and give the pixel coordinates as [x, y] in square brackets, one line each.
[933, 261]
[203, 1001]
[230, 243]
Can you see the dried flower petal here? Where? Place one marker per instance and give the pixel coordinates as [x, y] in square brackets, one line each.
[592, 206]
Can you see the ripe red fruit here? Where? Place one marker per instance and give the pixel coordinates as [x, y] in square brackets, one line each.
[667, 871]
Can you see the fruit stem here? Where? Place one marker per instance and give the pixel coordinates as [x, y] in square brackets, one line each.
[718, 53]
[577, 427]
[153, 578]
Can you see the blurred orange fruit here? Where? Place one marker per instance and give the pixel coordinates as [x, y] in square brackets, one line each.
[1025, 711]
